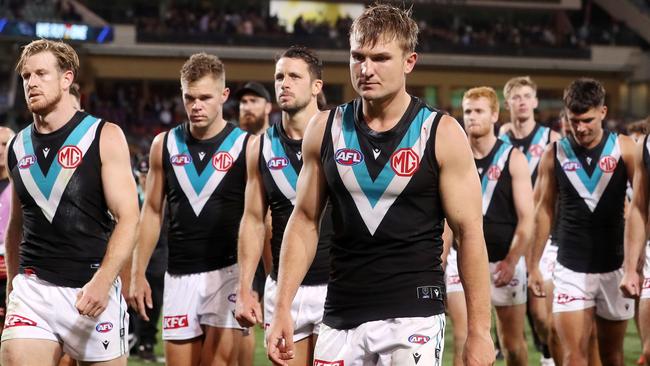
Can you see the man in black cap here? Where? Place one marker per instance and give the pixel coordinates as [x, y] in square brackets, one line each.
[254, 107]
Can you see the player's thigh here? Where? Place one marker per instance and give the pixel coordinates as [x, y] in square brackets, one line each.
[183, 352]
[30, 352]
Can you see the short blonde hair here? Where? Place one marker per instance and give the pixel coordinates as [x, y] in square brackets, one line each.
[66, 57]
[518, 82]
[383, 22]
[485, 92]
[200, 65]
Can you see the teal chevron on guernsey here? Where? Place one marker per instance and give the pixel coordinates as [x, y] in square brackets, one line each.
[47, 189]
[199, 187]
[536, 148]
[287, 177]
[373, 198]
[487, 183]
[590, 188]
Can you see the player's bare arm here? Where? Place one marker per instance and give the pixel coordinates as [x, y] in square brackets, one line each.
[635, 224]
[14, 232]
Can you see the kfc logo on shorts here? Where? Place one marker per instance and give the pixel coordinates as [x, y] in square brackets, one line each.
[493, 172]
[69, 157]
[328, 363]
[646, 283]
[26, 162]
[222, 161]
[278, 163]
[405, 162]
[536, 150]
[180, 159]
[566, 298]
[571, 166]
[607, 164]
[104, 327]
[419, 339]
[175, 322]
[453, 280]
[232, 297]
[18, 321]
[348, 157]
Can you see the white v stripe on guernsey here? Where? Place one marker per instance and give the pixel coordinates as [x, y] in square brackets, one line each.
[490, 185]
[372, 216]
[278, 175]
[198, 199]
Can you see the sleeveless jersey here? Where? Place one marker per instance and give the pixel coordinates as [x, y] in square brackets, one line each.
[66, 223]
[499, 214]
[646, 153]
[591, 194]
[280, 163]
[388, 218]
[532, 145]
[204, 184]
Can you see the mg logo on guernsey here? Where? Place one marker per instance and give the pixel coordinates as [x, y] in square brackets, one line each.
[536, 150]
[607, 164]
[104, 327]
[222, 161]
[571, 166]
[69, 157]
[175, 322]
[180, 159]
[493, 172]
[405, 162]
[328, 363]
[27, 161]
[348, 157]
[18, 321]
[419, 339]
[278, 163]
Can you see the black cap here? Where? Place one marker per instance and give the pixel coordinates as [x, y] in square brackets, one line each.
[255, 88]
[143, 165]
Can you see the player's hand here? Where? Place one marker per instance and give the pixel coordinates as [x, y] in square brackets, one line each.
[140, 295]
[479, 349]
[630, 284]
[279, 339]
[536, 282]
[504, 271]
[248, 310]
[92, 299]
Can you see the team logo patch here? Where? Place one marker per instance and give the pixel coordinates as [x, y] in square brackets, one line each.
[180, 159]
[222, 161]
[104, 327]
[571, 166]
[27, 161]
[419, 339]
[278, 163]
[318, 362]
[405, 162]
[493, 172]
[348, 157]
[70, 157]
[175, 322]
[18, 321]
[566, 298]
[232, 297]
[607, 164]
[536, 150]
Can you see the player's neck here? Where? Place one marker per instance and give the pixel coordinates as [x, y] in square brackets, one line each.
[382, 115]
[4, 174]
[481, 146]
[522, 128]
[57, 117]
[294, 124]
[209, 131]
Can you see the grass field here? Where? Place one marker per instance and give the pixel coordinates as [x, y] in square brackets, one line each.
[632, 349]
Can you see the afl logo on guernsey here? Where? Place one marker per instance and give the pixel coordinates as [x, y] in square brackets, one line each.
[405, 162]
[27, 161]
[348, 157]
[278, 163]
[571, 166]
[493, 172]
[70, 156]
[536, 150]
[222, 161]
[180, 159]
[607, 164]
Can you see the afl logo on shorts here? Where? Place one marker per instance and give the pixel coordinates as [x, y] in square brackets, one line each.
[27, 161]
[222, 161]
[405, 162]
[536, 150]
[180, 159]
[571, 166]
[348, 157]
[493, 172]
[278, 163]
[419, 339]
[69, 157]
[607, 164]
[104, 327]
